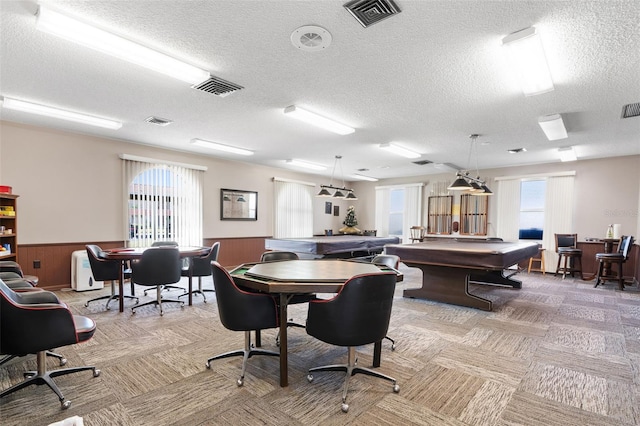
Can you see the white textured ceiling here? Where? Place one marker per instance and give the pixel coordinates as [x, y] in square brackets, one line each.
[426, 78]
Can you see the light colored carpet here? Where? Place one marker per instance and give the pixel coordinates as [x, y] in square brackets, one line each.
[556, 352]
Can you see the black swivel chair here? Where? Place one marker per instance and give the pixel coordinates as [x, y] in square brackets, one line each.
[106, 270]
[201, 267]
[241, 310]
[31, 323]
[10, 271]
[391, 261]
[157, 267]
[185, 264]
[619, 258]
[358, 315]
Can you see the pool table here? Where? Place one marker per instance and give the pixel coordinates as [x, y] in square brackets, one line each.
[335, 246]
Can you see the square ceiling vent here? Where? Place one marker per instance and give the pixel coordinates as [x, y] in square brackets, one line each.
[218, 87]
[369, 12]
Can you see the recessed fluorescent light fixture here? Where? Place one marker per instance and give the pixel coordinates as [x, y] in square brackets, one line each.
[526, 54]
[553, 126]
[305, 165]
[62, 114]
[317, 120]
[567, 154]
[363, 177]
[73, 30]
[220, 147]
[398, 150]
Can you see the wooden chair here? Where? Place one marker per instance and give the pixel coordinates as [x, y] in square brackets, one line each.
[569, 255]
[417, 233]
[618, 258]
[539, 260]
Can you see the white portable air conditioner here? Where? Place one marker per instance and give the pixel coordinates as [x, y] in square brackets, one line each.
[81, 276]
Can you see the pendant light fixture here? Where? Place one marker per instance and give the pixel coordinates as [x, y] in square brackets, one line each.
[340, 192]
[465, 182]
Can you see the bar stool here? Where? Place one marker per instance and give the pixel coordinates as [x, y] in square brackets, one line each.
[569, 255]
[618, 258]
[538, 259]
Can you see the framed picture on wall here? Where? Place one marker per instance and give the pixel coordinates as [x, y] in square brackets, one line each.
[336, 210]
[237, 204]
[327, 207]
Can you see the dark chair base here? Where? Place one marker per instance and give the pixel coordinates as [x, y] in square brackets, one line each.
[169, 287]
[199, 291]
[351, 369]
[61, 358]
[572, 264]
[159, 301]
[110, 299]
[600, 277]
[246, 353]
[44, 377]
[393, 342]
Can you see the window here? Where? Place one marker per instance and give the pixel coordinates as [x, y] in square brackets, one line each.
[398, 208]
[163, 202]
[293, 209]
[532, 201]
[396, 212]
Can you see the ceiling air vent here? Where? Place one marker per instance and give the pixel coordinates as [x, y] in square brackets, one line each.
[369, 12]
[158, 121]
[631, 110]
[218, 87]
[422, 162]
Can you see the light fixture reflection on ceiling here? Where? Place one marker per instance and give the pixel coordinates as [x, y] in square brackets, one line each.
[305, 164]
[553, 126]
[465, 182]
[339, 192]
[19, 105]
[87, 35]
[221, 147]
[526, 54]
[317, 120]
[398, 150]
[567, 154]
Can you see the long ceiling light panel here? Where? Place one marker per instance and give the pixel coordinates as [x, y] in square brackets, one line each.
[220, 147]
[526, 54]
[305, 164]
[318, 120]
[553, 127]
[62, 114]
[398, 150]
[73, 30]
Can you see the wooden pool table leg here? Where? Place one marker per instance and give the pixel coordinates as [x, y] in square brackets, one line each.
[448, 285]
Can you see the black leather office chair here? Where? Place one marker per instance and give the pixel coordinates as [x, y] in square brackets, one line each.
[185, 264]
[391, 261]
[106, 270]
[33, 322]
[276, 256]
[569, 255]
[10, 271]
[358, 315]
[157, 267]
[241, 310]
[619, 258]
[201, 267]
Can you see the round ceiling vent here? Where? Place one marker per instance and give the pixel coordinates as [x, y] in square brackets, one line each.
[311, 38]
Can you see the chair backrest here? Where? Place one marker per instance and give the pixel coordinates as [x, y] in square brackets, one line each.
[390, 260]
[157, 266]
[358, 315]
[102, 269]
[11, 266]
[241, 310]
[625, 245]
[33, 327]
[566, 240]
[201, 266]
[271, 256]
[164, 243]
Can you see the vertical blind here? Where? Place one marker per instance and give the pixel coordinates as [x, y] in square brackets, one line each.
[162, 202]
[412, 208]
[293, 209]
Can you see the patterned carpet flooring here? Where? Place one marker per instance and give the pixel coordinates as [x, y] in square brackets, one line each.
[556, 352]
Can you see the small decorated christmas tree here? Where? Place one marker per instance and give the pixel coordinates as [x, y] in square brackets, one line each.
[350, 222]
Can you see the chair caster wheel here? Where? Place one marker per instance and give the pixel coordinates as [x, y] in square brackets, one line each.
[240, 382]
[393, 347]
[65, 404]
[86, 305]
[63, 361]
[309, 378]
[345, 407]
[396, 388]
[208, 365]
[96, 373]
